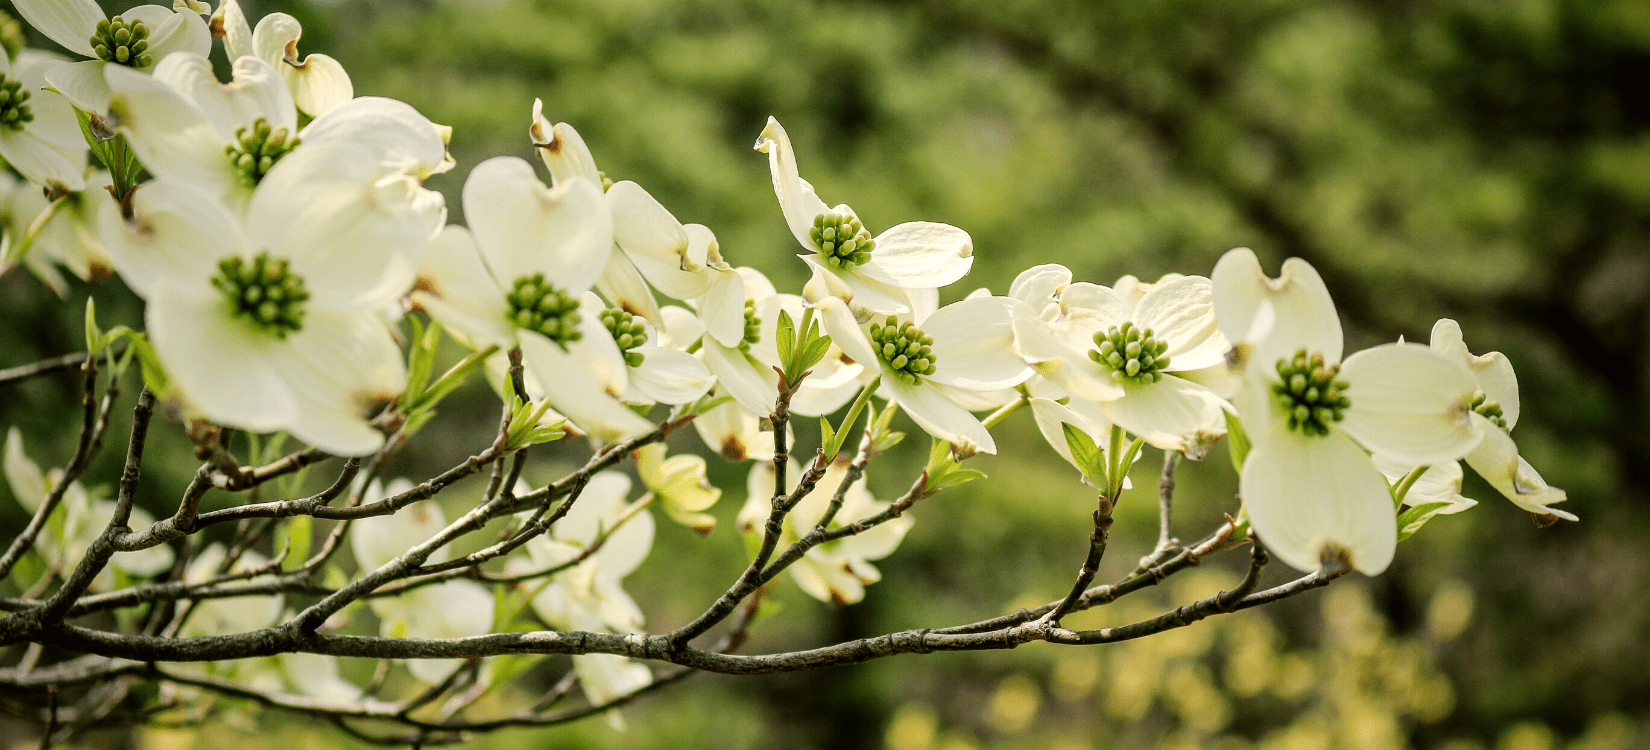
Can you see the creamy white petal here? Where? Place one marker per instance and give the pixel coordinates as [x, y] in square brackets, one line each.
[227, 372]
[1496, 459]
[603, 499]
[1038, 345]
[82, 83]
[1087, 309]
[796, 197]
[1409, 403]
[735, 432]
[54, 119]
[561, 149]
[67, 22]
[318, 83]
[1181, 313]
[596, 351]
[1311, 496]
[682, 329]
[920, 255]
[173, 137]
[176, 234]
[624, 288]
[523, 228]
[237, 33]
[572, 393]
[939, 416]
[254, 91]
[722, 308]
[390, 129]
[456, 288]
[1172, 414]
[845, 331]
[1493, 371]
[604, 677]
[172, 31]
[830, 385]
[28, 485]
[656, 242]
[1040, 286]
[1440, 483]
[341, 368]
[376, 540]
[42, 162]
[1050, 415]
[1305, 314]
[626, 548]
[752, 385]
[974, 344]
[669, 376]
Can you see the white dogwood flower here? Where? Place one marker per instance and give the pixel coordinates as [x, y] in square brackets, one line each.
[1312, 493]
[224, 137]
[964, 346]
[38, 133]
[1124, 352]
[1495, 410]
[317, 82]
[836, 572]
[269, 321]
[916, 255]
[138, 38]
[67, 234]
[518, 276]
[590, 595]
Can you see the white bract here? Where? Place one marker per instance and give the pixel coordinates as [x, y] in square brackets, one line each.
[519, 276]
[1313, 495]
[836, 572]
[880, 273]
[1495, 411]
[138, 38]
[589, 594]
[682, 261]
[1123, 351]
[38, 133]
[680, 485]
[65, 230]
[317, 82]
[965, 346]
[268, 321]
[223, 138]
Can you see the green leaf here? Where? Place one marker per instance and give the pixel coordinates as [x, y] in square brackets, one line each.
[954, 478]
[421, 358]
[827, 437]
[1237, 441]
[786, 342]
[154, 375]
[1411, 521]
[94, 335]
[1085, 454]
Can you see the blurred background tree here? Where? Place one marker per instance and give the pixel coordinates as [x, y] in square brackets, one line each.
[1484, 161]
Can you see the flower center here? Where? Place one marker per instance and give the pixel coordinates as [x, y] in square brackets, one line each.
[537, 305]
[1491, 410]
[1310, 393]
[905, 349]
[628, 333]
[119, 41]
[264, 291]
[1133, 355]
[14, 104]
[256, 150]
[753, 327]
[842, 240]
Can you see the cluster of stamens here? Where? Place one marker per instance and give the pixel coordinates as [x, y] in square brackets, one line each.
[1134, 355]
[842, 240]
[1491, 410]
[753, 327]
[628, 333]
[264, 291]
[905, 349]
[537, 305]
[14, 104]
[1310, 393]
[119, 41]
[256, 149]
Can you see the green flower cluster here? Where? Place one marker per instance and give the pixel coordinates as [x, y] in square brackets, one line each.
[1134, 355]
[121, 42]
[256, 150]
[1310, 393]
[265, 291]
[905, 349]
[842, 240]
[537, 305]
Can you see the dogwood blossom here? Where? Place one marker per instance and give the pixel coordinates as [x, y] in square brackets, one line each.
[65, 230]
[269, 321]
[1124, 351]
[1313, 495]
[138, 38]
[1495, 410]
[317, 82]
[916, 255]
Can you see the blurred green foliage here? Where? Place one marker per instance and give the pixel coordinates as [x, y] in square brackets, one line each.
[1478, 160]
